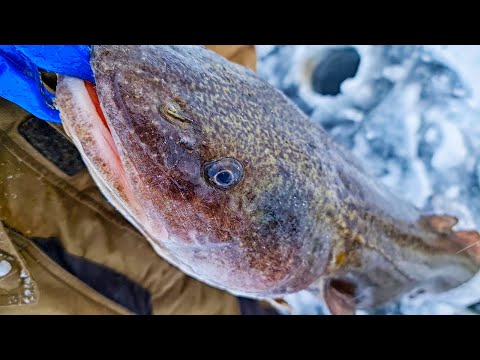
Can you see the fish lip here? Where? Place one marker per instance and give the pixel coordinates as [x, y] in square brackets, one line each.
[119, 204]
[83, 124]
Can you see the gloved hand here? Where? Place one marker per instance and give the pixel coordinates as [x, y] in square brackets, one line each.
[20, 79]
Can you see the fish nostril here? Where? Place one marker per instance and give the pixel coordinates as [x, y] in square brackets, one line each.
[174, 116]
[187, 142]
[333, 69]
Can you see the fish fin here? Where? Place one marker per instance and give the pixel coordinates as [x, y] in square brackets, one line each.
[339, 296]
[281, 304]
[441, 224]
[470, 242]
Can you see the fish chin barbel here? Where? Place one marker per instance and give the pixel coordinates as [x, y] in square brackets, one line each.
[231, 182]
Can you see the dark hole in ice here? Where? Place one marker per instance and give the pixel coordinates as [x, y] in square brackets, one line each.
[337, 66]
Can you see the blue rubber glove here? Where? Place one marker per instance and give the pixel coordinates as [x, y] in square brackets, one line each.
[20, 80]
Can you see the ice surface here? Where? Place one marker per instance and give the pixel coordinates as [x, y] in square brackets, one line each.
[411, 114]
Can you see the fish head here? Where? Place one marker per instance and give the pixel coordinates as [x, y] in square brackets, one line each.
[212, 164]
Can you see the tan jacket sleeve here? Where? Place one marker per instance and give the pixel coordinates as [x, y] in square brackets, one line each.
[241, 54]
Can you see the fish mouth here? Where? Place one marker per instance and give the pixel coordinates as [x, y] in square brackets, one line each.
[86, 124]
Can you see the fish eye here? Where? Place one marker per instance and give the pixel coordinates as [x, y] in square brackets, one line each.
[224, 173]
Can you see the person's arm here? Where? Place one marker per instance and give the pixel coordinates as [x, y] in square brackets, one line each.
[241, 54]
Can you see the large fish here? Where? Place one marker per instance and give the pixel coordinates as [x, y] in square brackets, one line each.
[230, 182]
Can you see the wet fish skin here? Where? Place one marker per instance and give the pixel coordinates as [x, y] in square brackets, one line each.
[305, 215]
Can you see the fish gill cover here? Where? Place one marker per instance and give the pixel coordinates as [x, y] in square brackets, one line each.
[412, 116]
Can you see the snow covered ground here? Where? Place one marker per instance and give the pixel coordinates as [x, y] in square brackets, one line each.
[411, 114]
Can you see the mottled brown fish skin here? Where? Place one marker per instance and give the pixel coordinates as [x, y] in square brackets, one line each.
[304, 210]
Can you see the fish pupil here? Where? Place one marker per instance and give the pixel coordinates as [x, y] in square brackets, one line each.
[224, 178]
[223, 173]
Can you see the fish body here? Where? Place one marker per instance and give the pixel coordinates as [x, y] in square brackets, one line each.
[231, 182]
